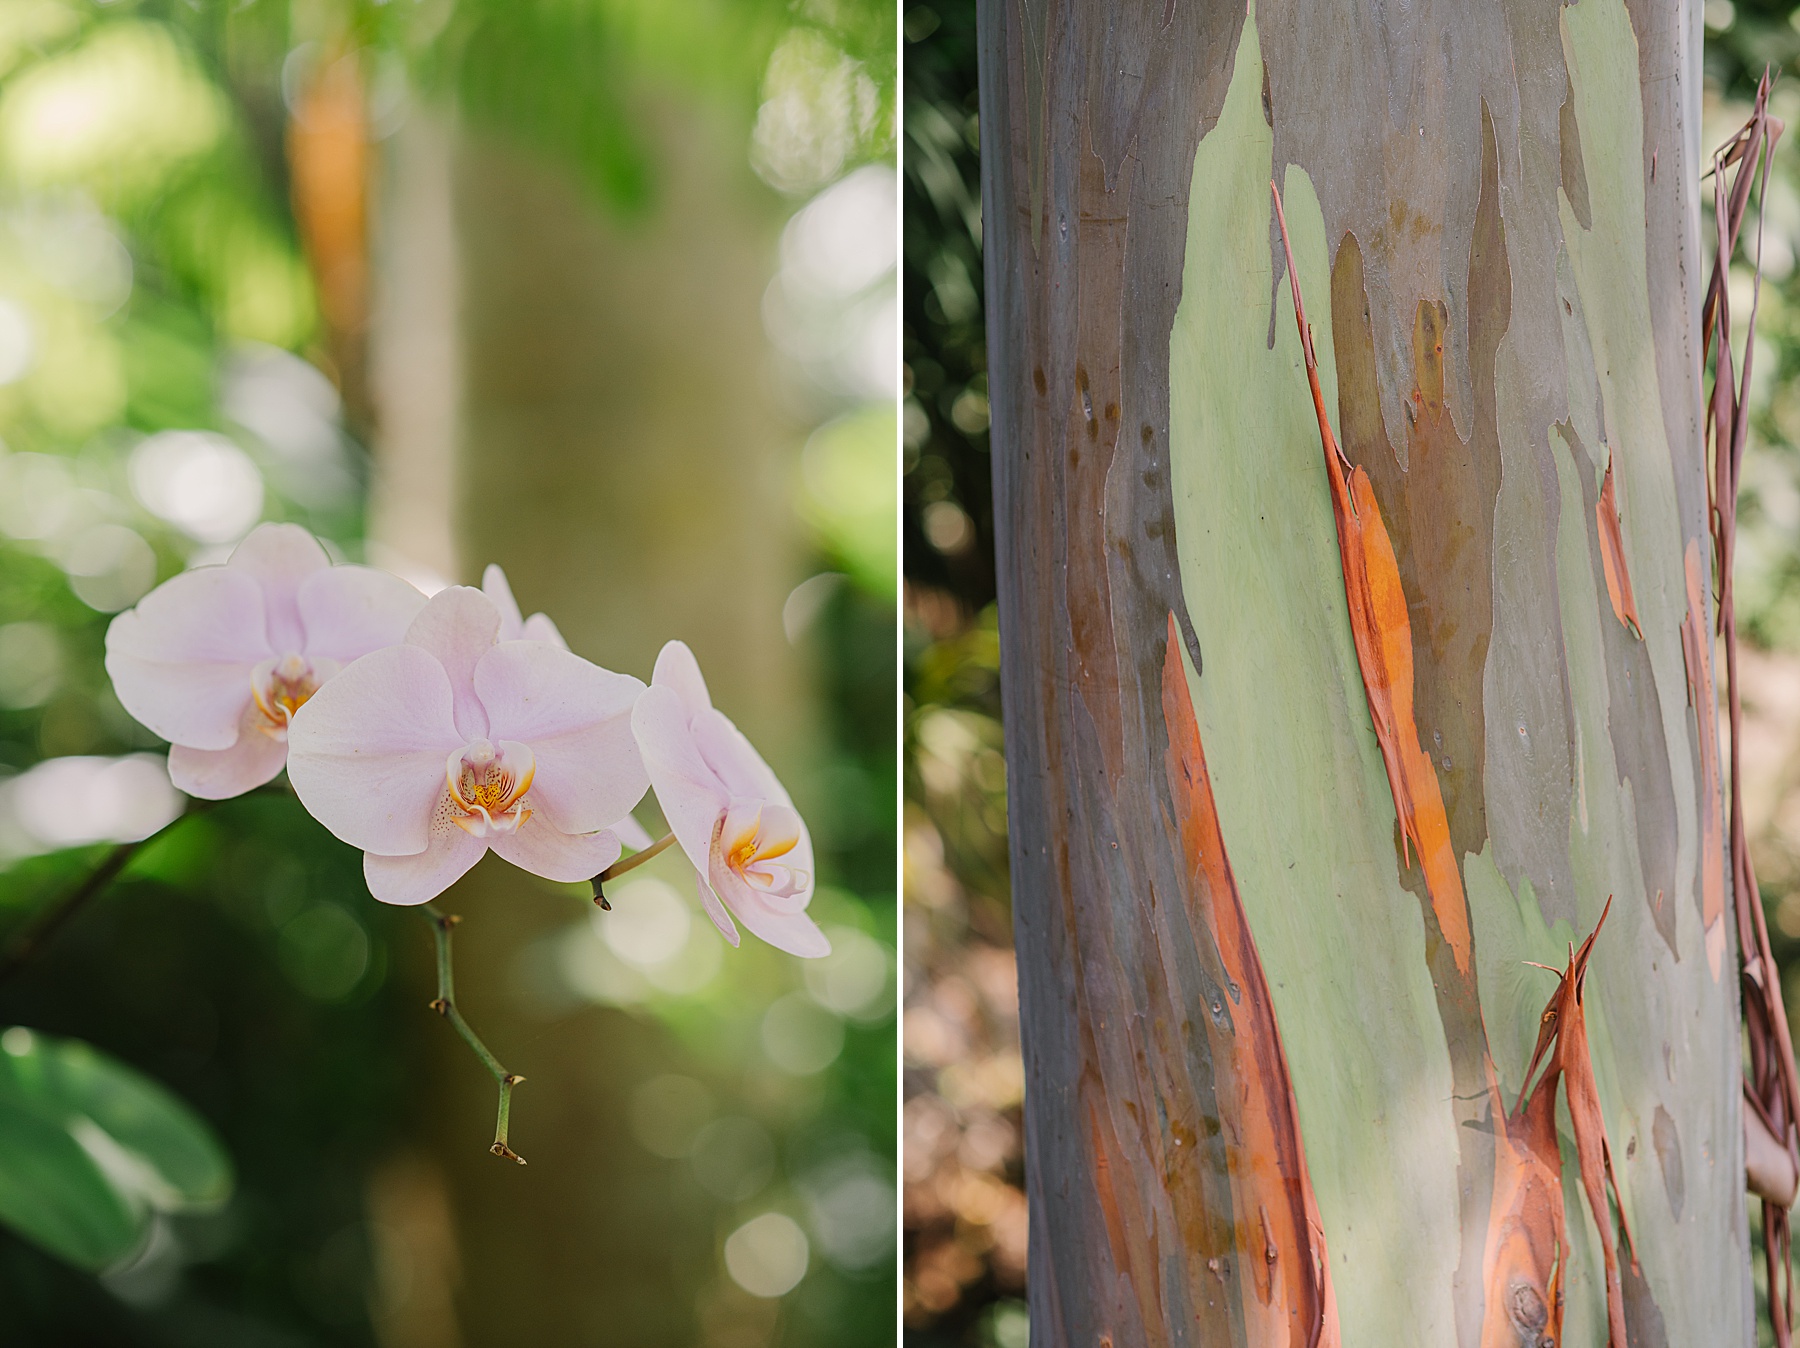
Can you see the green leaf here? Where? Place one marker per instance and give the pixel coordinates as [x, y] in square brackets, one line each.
[90, 1148]
[53, 1194]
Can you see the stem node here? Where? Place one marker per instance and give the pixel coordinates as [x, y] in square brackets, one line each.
[445, 1005]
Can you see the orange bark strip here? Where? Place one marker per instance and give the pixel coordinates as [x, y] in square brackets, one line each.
[1527, 1238]
[1697, 648]
[1383, 635]
[1612, 554]
[1275, 1211]
[1562, 1040]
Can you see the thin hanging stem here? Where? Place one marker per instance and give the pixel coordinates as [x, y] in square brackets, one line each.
[445, 1005]
[630, 863]
[36, 933]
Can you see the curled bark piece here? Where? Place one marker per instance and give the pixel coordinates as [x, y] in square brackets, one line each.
[1383, 635]
[1768, 1161]
[1527, 1239]
[1289, 1301]
[1562, 1042]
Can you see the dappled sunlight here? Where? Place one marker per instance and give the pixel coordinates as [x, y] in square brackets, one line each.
[115, 115]
[209, 216]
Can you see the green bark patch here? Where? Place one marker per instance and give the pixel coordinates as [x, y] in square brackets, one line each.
[1586, 782]
[1302, 796]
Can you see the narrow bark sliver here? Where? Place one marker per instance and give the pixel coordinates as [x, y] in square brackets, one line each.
[1286, 1294]
[1612, 554]
[1696, 651]
[1384, 652]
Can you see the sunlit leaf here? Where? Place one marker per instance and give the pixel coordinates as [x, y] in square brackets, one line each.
[90, 1148]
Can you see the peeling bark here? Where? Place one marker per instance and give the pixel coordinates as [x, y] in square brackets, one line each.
[1507, 306]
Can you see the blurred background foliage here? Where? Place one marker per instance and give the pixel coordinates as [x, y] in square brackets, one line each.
[192, 195]
[963, 1198]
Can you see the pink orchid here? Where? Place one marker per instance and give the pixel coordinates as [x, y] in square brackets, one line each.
[514, 627]
[727, 810]
[218, 659]
[538, 627]
[427, 754]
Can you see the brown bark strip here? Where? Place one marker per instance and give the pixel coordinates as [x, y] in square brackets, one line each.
[1696, 647]
[1527, 1238]
[1277, 1215]
[1383, 635]
[1772, 1077]
[1612, 554]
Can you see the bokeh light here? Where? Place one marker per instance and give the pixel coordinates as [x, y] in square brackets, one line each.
[69, 802]
[767, 1255]
[200, 482]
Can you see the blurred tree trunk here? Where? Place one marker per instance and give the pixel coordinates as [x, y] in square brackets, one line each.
[621, 450]
[1495, 223]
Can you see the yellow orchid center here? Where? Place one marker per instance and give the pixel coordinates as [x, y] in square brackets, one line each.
[749, 840]
[487, 786]
[279, 688]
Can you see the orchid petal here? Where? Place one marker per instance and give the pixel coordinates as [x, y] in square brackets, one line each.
[689, 792]
[366, 753]
[734, 760]
[494, 585]
[279, 557]
[677, 669]
[219, 774]
[513, 626]
[716, 911]
[180, 661]
[545, 850]
[421, 877]
[538, 627]
[793, 932]
[633, 834]
[577, 719]
[781, 831]
[742, 816]
[459, 625]
[349, 611]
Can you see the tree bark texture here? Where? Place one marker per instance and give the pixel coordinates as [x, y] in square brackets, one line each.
[1495, 223]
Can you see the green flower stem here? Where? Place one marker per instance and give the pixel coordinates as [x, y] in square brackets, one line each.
[445, 1005]
[632, 862]
[51, 919]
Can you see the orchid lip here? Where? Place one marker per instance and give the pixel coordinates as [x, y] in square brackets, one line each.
[487, 784]
[280, 687]
[748, 844]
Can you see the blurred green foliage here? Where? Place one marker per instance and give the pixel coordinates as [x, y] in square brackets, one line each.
[949, 518]
[237, 982]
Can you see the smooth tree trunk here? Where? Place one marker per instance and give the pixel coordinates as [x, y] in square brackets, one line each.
[602, 422]
[1265, 1026]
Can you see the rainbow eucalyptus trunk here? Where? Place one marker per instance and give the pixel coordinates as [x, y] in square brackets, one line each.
[1310, 755]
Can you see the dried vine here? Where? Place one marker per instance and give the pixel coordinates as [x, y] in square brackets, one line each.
[1771, 1095]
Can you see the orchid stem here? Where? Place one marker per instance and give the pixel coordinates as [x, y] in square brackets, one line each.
[36, 933]
[632, 862]
[445, 1005]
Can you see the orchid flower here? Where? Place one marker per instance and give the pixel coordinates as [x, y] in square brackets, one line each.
[218, 659]
[727, 810]
[428, 753]
[538, 627]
